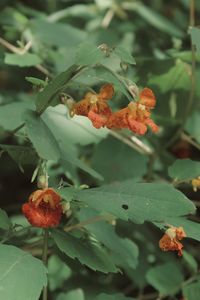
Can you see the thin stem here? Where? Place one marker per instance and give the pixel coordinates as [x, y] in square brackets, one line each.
[44, 259]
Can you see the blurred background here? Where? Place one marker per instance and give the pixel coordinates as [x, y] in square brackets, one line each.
[40, 39]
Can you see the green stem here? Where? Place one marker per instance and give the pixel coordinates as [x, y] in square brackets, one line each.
[44, 259]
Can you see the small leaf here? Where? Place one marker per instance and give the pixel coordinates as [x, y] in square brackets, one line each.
[36, 81]
[88, 253]
[25, 60]
[184, 169]
[41, 137]
[15, 267]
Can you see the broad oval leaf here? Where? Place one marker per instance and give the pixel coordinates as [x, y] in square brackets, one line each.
[22, 276]
[88, 253]
[138, 201]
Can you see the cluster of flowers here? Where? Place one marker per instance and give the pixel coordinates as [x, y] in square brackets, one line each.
[136, 116]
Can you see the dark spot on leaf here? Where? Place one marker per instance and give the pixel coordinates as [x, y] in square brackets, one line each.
[125, 206]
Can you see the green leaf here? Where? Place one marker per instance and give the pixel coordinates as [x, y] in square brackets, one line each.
[112, 297]
[192, 291]
[138, 201]
[72, 295]
[195, 35]
[88, 253]
[88, 54]
[25, 60]
[22, 155]
[76, 130]
[192, 125]
[50, 94]
[5, 223]
[41, 137]
[173, 79]
[36, 81]
[190, 262]
[166, 278]
[157, 20]
[58, 34]
[125, 163]
[124, 55]
[184, 169]
[124, 251]
[69, 132]
[11, 114]
[16, 267]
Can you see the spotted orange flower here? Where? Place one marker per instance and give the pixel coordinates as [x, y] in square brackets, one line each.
[95, 106]
[43, 208]
[171, 240]
[136, 116]
[196, 183]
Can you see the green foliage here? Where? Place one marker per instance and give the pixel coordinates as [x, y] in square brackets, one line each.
[44, 143]
[116, 161]
[165, 278]
[184, 169]
[192, 291]
[87, 252]
[138, 201]
[15, 266]
[116, 186]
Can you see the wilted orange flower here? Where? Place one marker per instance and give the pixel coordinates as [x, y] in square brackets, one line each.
[136, 116]
[171, 238]
[94, 106]
[196, 183]
[43, 208]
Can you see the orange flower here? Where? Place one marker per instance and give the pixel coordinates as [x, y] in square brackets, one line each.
[171, 238]
[43, 208]
[136, 116]
[196, 183]
[95, 107]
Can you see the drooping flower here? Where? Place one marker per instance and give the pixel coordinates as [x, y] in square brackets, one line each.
[43, 208]
[136, 116]
[196, 183]
[95, 106]
[171, 240]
